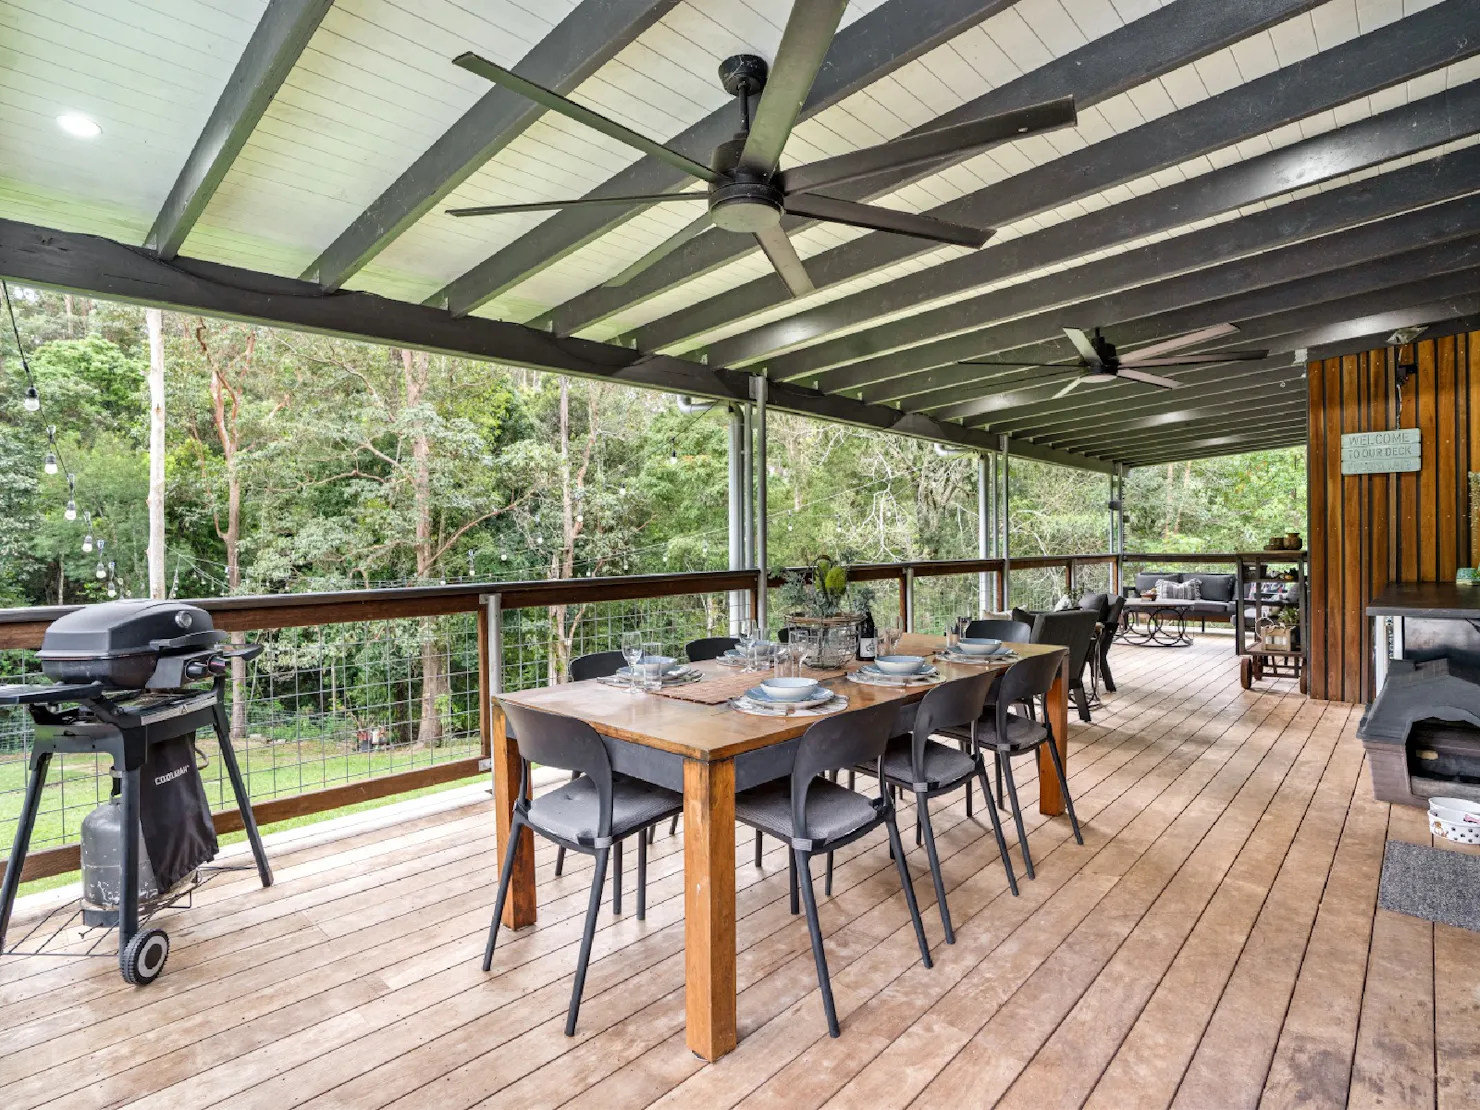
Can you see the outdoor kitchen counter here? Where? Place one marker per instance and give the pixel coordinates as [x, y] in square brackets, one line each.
[1428, 600]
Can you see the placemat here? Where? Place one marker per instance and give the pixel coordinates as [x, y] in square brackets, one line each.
[716, 689]
[827, 708]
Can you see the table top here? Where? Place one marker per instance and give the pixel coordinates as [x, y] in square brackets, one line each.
[1438, 600]
[714, 732]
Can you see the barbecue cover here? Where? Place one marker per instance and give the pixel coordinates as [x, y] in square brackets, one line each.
[176, 819]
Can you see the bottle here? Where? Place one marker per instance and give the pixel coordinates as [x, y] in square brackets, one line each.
[868, 636]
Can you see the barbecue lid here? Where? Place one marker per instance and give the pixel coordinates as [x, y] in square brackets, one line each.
[118, 628]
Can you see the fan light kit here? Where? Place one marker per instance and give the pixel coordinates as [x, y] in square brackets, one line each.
[79, 126]
[747, 192]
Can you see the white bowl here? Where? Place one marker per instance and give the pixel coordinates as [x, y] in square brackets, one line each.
[1460, 832]
[978, 645]
[900, 664]
[1457, 810]
[789, 689]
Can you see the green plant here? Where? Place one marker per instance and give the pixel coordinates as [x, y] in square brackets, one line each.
[819, 592]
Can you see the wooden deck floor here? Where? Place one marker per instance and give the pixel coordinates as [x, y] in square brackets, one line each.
[1214, 944]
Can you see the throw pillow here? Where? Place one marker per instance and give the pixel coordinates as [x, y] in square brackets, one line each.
[1178, 591]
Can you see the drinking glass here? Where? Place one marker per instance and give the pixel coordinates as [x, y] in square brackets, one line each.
[745, 634]
[890, 640]
[652, 676]
[632, 652]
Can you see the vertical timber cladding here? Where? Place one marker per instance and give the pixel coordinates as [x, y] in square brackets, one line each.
[1369, 529]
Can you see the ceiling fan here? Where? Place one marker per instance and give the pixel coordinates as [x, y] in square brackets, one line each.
[747, 194]
[1100, 362]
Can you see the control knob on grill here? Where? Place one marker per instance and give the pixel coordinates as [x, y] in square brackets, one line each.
[205, 668]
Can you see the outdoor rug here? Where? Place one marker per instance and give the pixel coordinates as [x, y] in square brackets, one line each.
[1432, 883]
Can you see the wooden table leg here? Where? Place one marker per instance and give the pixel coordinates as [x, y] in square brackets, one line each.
[1050, 797]
[709, 906]
[519, 908]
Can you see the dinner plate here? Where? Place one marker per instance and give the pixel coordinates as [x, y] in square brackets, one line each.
[927, 671]
[953, 657]
[756, 694]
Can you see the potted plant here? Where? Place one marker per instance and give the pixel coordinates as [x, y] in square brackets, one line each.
[820, 598]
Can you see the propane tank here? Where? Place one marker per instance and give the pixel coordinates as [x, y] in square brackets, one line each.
[102, 862]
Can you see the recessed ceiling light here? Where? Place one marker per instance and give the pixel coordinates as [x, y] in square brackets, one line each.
[78, 125]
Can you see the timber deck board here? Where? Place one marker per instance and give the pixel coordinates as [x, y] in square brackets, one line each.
[1215, 943]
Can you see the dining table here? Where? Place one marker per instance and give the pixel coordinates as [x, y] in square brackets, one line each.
[707, 753]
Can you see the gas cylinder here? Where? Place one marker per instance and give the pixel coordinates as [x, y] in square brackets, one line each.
[102, 862]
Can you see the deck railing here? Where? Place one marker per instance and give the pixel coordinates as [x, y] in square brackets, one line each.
[364, 694]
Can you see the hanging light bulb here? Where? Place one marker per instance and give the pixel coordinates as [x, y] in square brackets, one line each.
[87, 543]
[32, 402]
[112, 589]
[580, 517]
[504, 556]
[673, 456]
[50, 465]
[70, 512]
[101, 572]
[621, 491]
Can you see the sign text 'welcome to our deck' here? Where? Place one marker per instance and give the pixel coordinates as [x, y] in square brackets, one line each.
[1382, 452]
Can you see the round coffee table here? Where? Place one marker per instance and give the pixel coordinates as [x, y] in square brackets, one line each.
[1166, 625]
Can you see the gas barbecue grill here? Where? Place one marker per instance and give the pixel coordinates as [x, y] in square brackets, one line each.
[128, 678]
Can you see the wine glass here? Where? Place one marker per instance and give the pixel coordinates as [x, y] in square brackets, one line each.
[632, 652]
[745, 634]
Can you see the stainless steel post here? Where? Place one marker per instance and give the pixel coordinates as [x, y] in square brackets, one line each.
[758, 384]
[983, 541]
[1005, 512]
[738, 605]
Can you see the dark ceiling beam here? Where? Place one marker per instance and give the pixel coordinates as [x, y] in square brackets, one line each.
[888, 37]
[1128, 56]
[1152, 409]
[1282, 331]
[1217, 446]
[893, 349]
[1267, 248]
[580, 44]
[1357, 344]
[1412, 46]
[1382, 324]
[104, 268]
[1260, 314]
[269, 56]
[1233, 414]
[1295, 421]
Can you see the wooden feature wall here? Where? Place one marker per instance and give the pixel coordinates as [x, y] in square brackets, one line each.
[1367, 530]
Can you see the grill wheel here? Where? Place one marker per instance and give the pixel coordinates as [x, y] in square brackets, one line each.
[142, 959]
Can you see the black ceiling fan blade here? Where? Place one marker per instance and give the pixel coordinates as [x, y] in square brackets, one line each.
[1135, 375]
[809, 32]
[1200, 359]
[785, 259]
[1191, 339]
[661, 251]
[932, 146]
[582, 202]
[875, 218]
[1085, 347]
[489, 71]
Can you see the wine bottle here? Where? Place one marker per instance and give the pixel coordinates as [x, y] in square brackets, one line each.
[868, 636]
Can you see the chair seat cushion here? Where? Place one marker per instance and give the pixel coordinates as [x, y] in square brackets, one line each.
[570, 810]
[1022, 732]
[833, 811]
[943, 765]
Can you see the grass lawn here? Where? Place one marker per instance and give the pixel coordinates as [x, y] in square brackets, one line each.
[76, 784]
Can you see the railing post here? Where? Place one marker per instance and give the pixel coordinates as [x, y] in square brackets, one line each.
[909, 599]
[490, 666]
[1069, 578]
[759, 384]
[904, 601]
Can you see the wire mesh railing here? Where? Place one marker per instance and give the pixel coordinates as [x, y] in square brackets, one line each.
[381, 691]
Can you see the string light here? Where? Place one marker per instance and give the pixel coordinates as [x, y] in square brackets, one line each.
[101, 572]
[50, 465]
[673, 455]
[32, 402]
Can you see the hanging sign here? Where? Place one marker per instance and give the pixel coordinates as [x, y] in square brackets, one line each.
[1382, 452]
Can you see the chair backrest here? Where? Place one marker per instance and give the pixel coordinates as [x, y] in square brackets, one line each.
[1012, 632]
[710, 647]
[846, 740]
[1024, 681]
[1073, 629]
[1096, 603]
[599, 664]
[568, 744]
[1113, 612]
[954, 704]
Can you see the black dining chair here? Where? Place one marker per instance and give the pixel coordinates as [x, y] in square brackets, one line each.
[1007, 734]
[813, 814]
[710, 647]
[1075, 630]
[928, 768]
[598, 664]
[592, 814]
[1008, 631]
[1108, 629]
